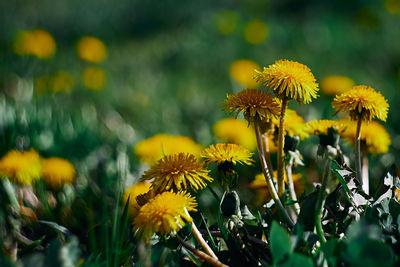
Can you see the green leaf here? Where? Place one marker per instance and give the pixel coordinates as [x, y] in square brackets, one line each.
[297, 260]
[280, 243]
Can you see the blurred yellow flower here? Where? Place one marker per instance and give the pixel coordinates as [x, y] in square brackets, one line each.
[255, 32]
[221, 153]
[334, 85]
[59, 82]
[154, 148]
[57, 171]
[290, 80]
[22, 168]
[94, 78]
[37, 43]
[393, 6]
[134, 191]
[255, 104]
[374, 137]
[91, 49]
[321, 127]
[235, 131]
[166, 213]
[242, 71]
[260, 186]
[177, 172]
[364, 101]
[226, 21]
[294, 124]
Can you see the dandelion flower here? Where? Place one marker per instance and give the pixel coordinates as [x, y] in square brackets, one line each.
[374, 137]
[94, 78]
[321, 127]
[221, 153]
[134, 191]
[91, 49]
[154, 148]
[255, 32]
[294, 124]
[226, 21]
[362, 101]
[255, 104]
[164, 214]
[235, 131]
[21, 167]
[178, 172]
[289, 80]
[37, 43]
[242, 71]
[56, 172]
[334, 85]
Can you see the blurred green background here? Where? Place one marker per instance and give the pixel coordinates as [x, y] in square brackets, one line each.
[167, 65]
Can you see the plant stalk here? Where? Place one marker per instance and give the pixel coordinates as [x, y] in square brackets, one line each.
[267, 154]
[200, 239]
[281, 140]
[358, 149]
[268, 177]
[321, 200]
[292, 190]
[365, 174]
[201, 255]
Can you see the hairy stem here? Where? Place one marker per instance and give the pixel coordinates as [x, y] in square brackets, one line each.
[365, 174]
[201, 255]
[201, 240]
[358, 154]
[321, 200]
[292, 191]
[281, 140]
[268, 178]
[267, 155]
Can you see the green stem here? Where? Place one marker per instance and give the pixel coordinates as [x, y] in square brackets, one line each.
[358, 154]
[321, 200]
[281, 140]
[268, 177]
[267, 154]
[365, 174]
[292, 190]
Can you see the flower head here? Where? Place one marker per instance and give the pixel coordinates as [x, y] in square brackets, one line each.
[134, 191]
[321, 127]
[294, 124]
[232, 153]
[374, 137]
[56, 172]
[242, 71]
[177, 172]
[362, 101]
[94, 78]
[255, 32]
[334, 85]
[21, 167]
[255, 104]
[154, 148]
[37, 43]
[91, 49]
[235, 131]
[163, 214]
[289, 79]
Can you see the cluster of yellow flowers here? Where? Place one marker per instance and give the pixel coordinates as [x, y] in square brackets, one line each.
[26, 167]
[38, 43]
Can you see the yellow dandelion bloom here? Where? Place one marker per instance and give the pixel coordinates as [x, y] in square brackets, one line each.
[255, 105]
[57, 171]
[91, 49]
[94, 78]
[289, 79]
[260, 185]
[362, 101]
[37, 43]
[374, 137]
[21, 167]
[255, 32]
[235, 131]
[397, 194]
[321, 127]
[166, 213]
[134, 191]
[294, 124]
[154, 148]
[233, 153]
[334, 85]
[242, 71]
[178, 172]
[226, 21]
[59, 82]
